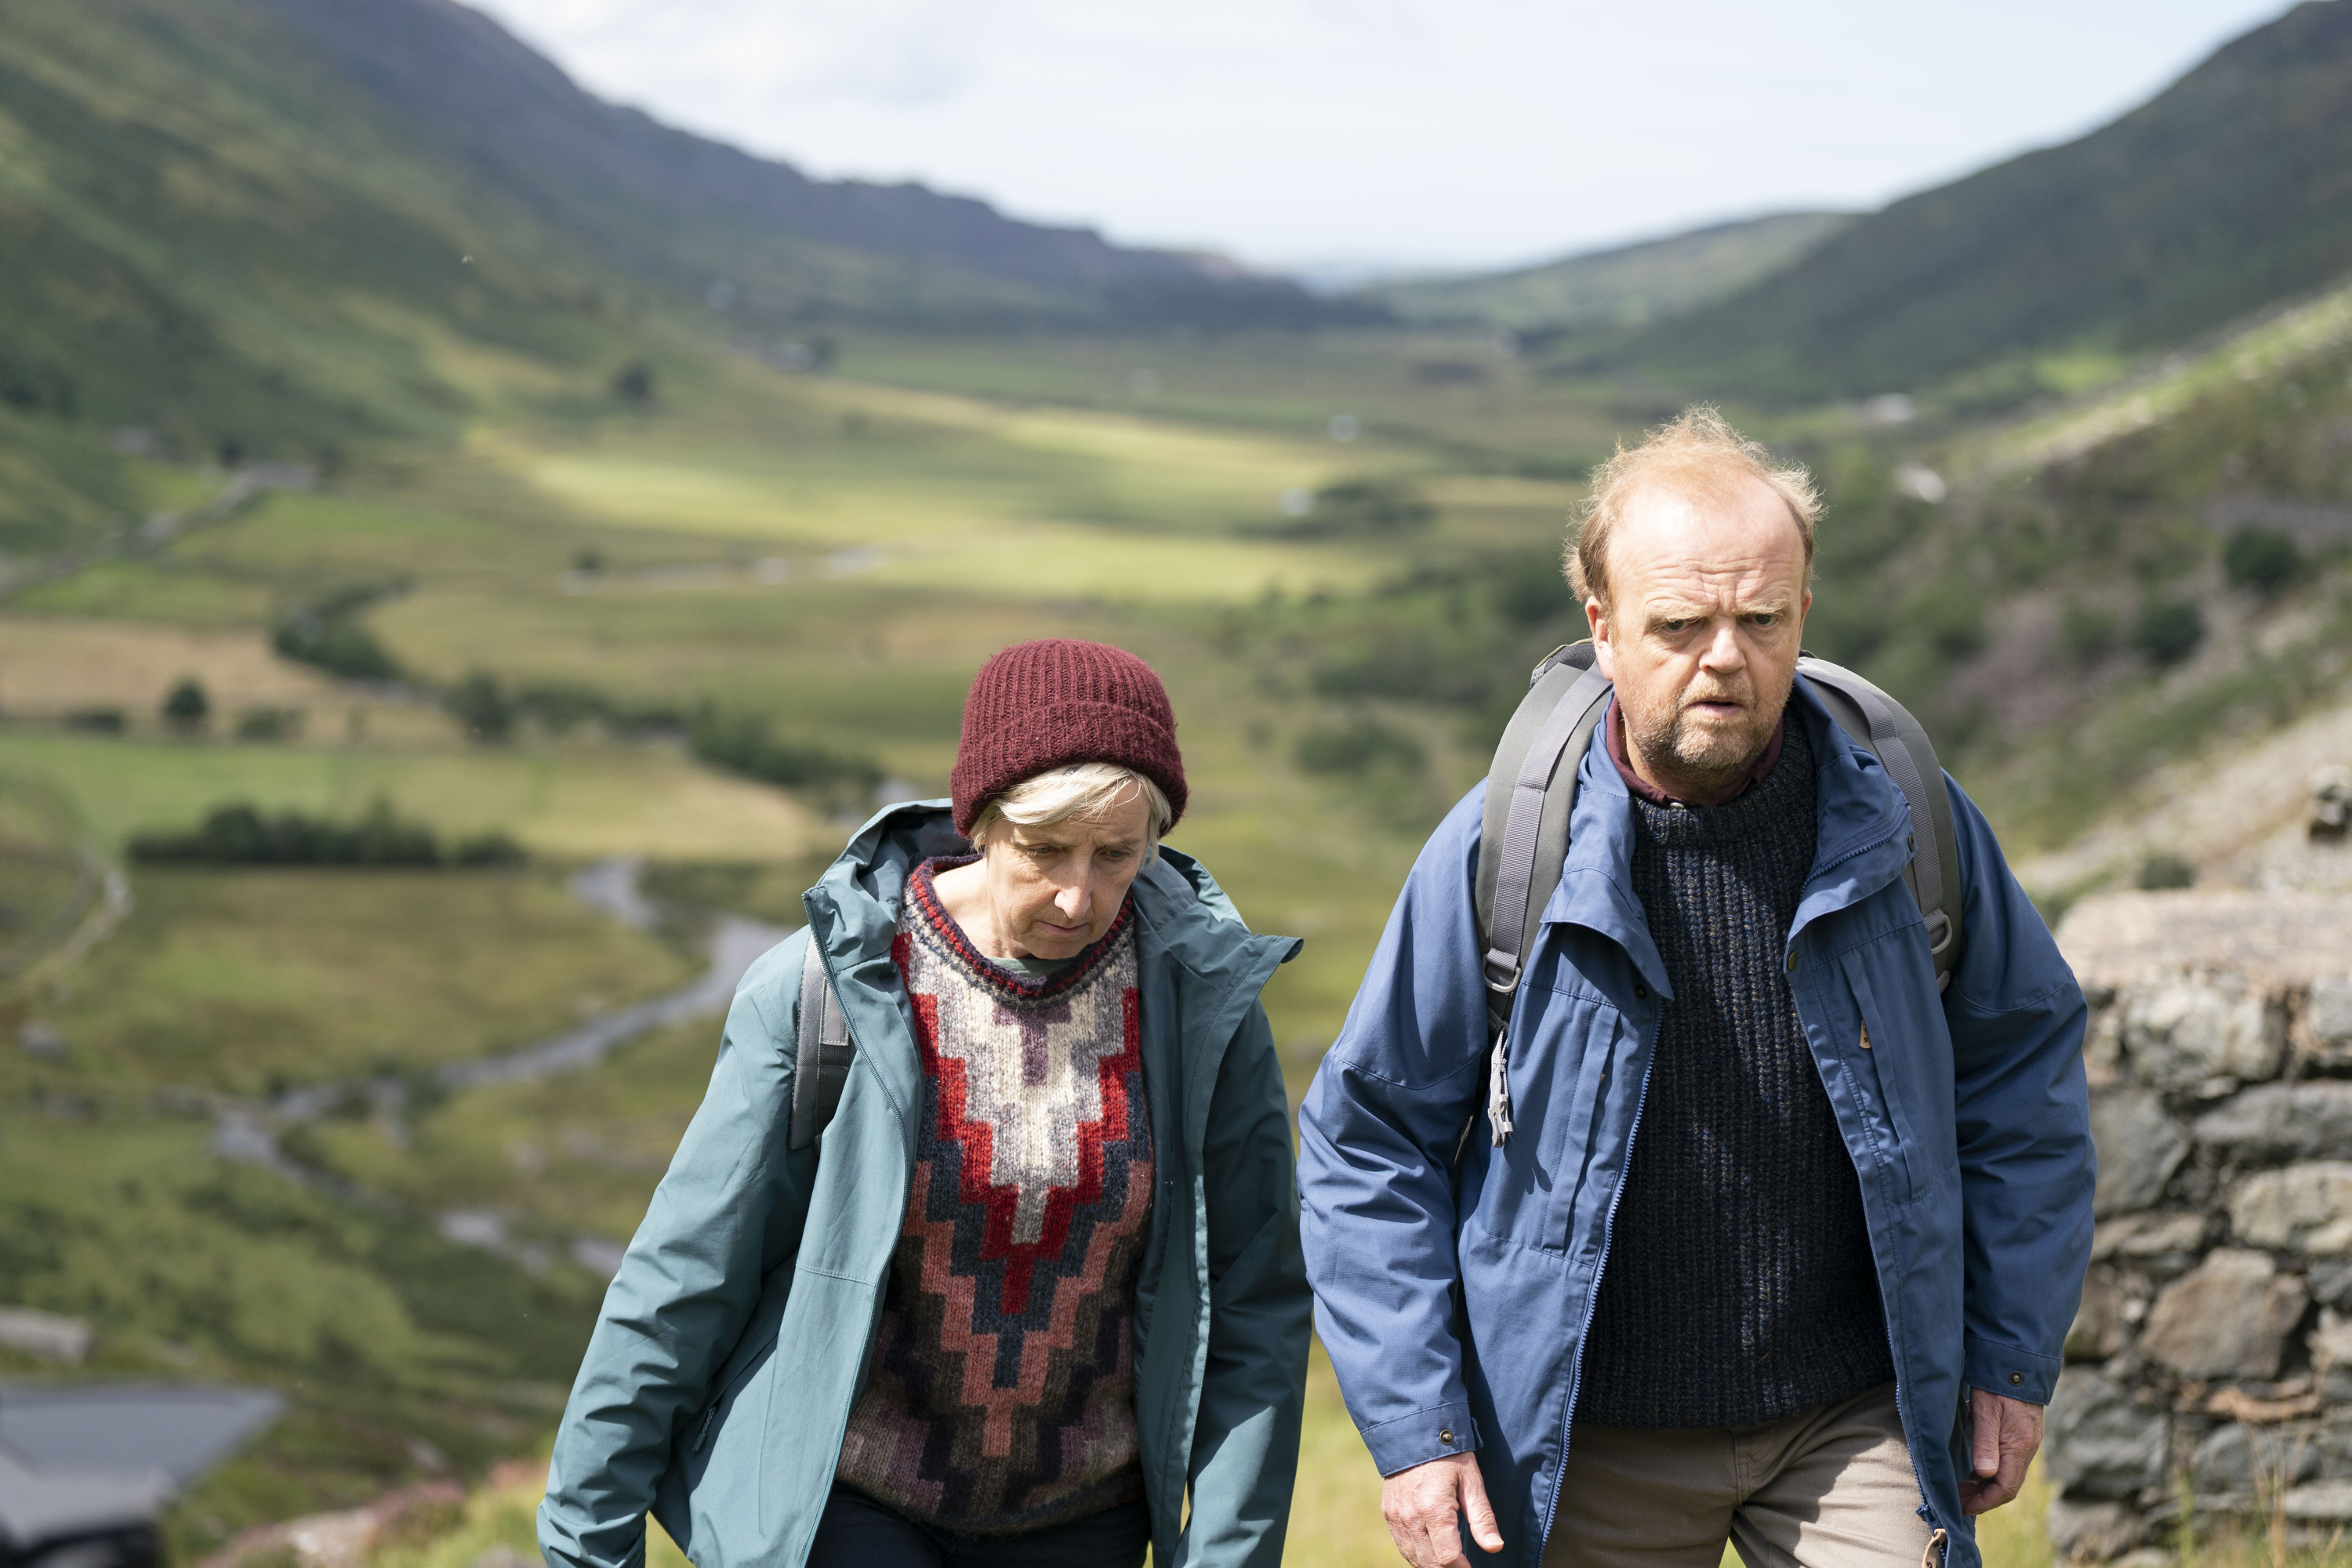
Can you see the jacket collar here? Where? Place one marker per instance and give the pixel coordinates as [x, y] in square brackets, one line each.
[852, 913]
[1864, 829]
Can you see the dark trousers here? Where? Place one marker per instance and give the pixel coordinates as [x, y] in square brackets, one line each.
[858, 1532]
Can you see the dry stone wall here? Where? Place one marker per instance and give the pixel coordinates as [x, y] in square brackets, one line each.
[2210, 1365]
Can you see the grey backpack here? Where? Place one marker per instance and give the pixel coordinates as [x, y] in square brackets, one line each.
[1531, 795]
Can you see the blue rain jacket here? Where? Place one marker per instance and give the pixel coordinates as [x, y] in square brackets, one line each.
[1456, 1303]
[733, 1340]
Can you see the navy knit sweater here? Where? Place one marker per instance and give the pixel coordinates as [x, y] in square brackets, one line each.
[1739, 1287]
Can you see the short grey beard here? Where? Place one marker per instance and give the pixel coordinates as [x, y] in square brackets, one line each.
[1668, 744]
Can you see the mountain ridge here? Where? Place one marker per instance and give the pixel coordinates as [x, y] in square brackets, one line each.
[625, 183]
[2229, 190]
[1619, 285]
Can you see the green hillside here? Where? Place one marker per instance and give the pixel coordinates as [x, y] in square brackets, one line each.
[1626, 286]
[2228, 191]
[244, 229]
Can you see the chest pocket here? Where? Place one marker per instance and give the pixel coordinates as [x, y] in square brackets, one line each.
[1879, 1074]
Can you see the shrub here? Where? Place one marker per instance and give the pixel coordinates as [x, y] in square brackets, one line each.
[1364, 747]
[740, 743]
[269, 723]
[187, 707]
[2168, 630]
[328, 634]
[97, 720]
[634, 383]
[238, 835]
[477, 704]
[2165, 871]
[2261, 559]
[2088, 633]
[1359, 507]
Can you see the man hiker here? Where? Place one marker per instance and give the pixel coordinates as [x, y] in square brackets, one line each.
[1778, 1207]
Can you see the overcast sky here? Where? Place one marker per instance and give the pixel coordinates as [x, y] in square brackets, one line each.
[1444, 134]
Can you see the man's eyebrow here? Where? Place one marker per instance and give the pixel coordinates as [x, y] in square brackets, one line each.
[1658, 610]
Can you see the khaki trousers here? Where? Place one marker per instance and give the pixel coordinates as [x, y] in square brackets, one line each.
[1830, 1488]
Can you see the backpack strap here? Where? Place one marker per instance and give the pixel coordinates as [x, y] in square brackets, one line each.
[1523, 841]
[1887, 728]
[1529, 799]
[824, 1052]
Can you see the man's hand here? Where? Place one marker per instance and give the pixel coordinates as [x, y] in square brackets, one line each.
[2007, 1432]
[1421, 1505]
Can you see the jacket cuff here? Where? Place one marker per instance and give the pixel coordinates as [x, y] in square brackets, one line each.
[1424, 1436]
[2005, 1370]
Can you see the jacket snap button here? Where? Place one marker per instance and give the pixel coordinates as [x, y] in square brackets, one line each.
[1446, 1435]
[2015, 1378]
[1793, 960]
[1641, 991]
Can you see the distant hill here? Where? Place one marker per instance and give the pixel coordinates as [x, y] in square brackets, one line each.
[664, 202]
[2229, 190]
[1627, 285]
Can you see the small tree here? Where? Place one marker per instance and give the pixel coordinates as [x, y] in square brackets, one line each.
[2263, 560]
[2168, 630]
[477, 704]
[634, 383]
[187, 707]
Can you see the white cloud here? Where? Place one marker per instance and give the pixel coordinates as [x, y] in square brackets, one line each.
[1464, 132]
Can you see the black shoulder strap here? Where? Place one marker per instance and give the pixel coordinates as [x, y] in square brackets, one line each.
[825, 1050]
[1887, 728]
[1531, 797]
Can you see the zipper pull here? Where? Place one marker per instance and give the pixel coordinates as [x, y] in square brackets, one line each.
[1498, 1091]
[702, 1427]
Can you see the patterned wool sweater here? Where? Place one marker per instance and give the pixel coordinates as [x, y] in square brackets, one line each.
[1001, 1393]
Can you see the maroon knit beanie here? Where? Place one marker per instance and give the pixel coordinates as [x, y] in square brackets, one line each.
[1046, 704]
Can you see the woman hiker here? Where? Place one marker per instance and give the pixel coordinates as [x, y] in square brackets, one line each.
[1037, 1287]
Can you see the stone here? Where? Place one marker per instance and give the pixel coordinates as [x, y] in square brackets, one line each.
[2279, 1120]
[2331, 1012]
[2150, 1235]
[2331, 1341]
[2139, 1148]
[2098, 1330]
[41, 1038]
[2330, 1282]
[2090, 1531]
[2180, 1032]
[2319, 1500]
[45, 1336]
[2304, 1209]
[2227, 1318]
[2236, 1458]
[2101, 1441]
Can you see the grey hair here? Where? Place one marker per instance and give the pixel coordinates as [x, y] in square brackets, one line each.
[1076, 790]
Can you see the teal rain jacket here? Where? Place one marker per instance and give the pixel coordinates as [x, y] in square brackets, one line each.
[733, 1340]
[1455, 1303]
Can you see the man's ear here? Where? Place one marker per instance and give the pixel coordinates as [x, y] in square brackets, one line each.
[1604, 653]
